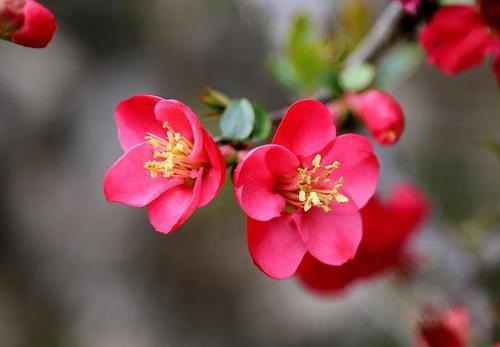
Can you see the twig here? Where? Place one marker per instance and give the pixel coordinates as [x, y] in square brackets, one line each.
[381, 35]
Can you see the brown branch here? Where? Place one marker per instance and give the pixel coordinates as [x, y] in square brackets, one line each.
[382, 35]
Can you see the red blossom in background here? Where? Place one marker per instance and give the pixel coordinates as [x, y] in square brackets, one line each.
[459, 37]
[410, 6]
[380, 113]
[171, 164]
[303, 192]
[26, 23]
[387, 227]
[446, 329]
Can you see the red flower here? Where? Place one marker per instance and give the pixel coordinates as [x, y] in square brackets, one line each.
[459, 37]
[171, 164]
[445, 329]
[302, 193]
[387, 226]
[410, 6]
[380, 113]
[26, 23]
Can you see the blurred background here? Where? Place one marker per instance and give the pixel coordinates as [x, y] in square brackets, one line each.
[77, 271]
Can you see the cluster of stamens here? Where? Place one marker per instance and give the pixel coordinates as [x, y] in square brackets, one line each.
[170, 155]
[312, 187]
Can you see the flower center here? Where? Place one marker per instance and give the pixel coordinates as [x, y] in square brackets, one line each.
[313, 187]
[170, 155]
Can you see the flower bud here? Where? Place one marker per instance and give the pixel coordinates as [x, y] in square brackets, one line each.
[380, 113]
[450, 327]
[26, 23]
[410, 6]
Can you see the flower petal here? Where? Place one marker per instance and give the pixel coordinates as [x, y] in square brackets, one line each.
[332, 237]
[135, 119]
[128, 182]
[456, 38]
[388, 224]
[255, 177]
[306, 128]
[214, 178]
[322, 278]
[38, 28]
[175, 206]
[182, 119]
[358, 165]
[276, 246]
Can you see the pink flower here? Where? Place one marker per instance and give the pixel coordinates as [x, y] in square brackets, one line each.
[303, 192]
[381, 114]
[387, 228]
[26, 23]
[410, 6]
[459, 37]
[445, 329]
[171, 164]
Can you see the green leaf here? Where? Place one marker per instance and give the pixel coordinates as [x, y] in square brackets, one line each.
[305, 53]
[263, 124]
[237, 121]
[492, 146]
[284, 73]
[357, 78]
[356, 18]
[399, 64]
[214, 99]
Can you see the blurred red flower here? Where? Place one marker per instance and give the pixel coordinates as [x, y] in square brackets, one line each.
[303, 192]
[459, 37]
[446, 329]
[381, 114]
[171, 164]
[410, 6]
[26, 23]
[387, 226]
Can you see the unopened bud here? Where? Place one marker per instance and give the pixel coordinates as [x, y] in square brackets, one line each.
[26, 23]
[380, 113]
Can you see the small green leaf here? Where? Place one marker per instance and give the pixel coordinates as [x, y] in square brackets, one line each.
[491, 146]
[237, 121]
[399, 64]
[357, 78]
[356, 18]
[283, 72]
[214, 99]
[306, 54]
[263, 124]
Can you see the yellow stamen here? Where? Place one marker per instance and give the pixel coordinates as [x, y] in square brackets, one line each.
[173, 152]
[314, 188]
